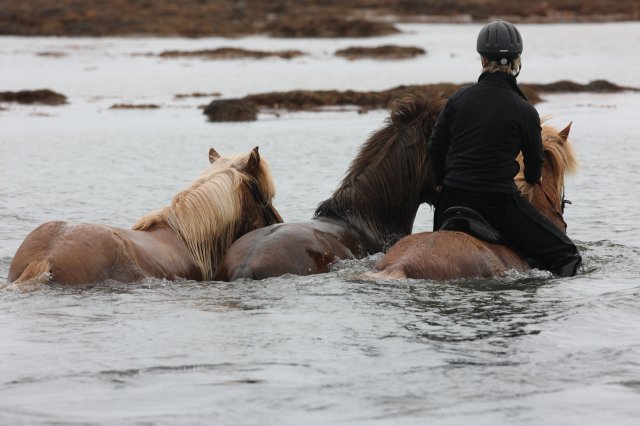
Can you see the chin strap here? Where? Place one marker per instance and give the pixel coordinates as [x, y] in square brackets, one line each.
[517, 73]
[564, 201]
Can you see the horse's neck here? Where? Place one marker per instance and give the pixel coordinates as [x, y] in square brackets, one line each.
[162, 249]
[205, 252]
[367, 213]
[548, 202]
[381, 193]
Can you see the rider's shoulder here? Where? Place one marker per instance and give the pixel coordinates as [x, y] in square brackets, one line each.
[460, 93]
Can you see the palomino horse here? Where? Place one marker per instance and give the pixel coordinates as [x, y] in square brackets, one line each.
[374, 206]
[445, 255]
[184, 240]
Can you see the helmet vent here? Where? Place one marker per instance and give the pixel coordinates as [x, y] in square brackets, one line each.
[512, 35]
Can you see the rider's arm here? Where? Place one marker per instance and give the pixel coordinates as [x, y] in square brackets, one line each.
[439, 146]
[531, 147]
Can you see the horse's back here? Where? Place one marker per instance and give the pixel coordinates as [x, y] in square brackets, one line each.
[288, 248]
[446, 255]
[160, 253]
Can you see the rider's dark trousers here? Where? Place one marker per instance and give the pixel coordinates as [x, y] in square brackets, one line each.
[523, 228]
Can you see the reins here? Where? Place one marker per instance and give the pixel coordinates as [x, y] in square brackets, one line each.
[268, 213]
[558, 212]
[564, 201]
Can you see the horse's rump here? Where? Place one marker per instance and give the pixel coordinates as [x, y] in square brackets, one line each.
[446, 255]
[73, 254]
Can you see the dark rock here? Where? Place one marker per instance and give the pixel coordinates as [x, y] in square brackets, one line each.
[134, 106]
[51, 54]
[232, 110]
[231, 53]
[596, 86]
[381, 52]
[42, 96]
[198, 95]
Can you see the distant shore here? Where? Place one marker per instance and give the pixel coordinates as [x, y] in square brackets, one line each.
[283, 18]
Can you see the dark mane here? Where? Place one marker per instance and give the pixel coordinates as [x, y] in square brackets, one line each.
[390, 177]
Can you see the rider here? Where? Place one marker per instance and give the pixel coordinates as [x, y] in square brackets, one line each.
[473, 149]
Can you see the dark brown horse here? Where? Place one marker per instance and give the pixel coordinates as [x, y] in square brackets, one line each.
[184, 240]
[445, 255]
[374, 206]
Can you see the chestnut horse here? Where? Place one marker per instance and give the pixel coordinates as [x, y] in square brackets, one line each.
[374, 206]
[445, 255]
[184, 240]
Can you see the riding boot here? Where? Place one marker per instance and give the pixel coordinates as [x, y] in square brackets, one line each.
[538, 240]
[568, 268]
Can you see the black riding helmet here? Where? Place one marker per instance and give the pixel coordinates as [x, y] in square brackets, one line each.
[499, 41]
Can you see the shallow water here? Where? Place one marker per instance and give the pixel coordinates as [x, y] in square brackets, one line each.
[334, 348]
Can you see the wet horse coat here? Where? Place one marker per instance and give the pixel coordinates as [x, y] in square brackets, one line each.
[184, 240]
[445, 255]
[374, 206]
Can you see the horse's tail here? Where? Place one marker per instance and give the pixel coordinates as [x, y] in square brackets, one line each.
[385, 274]
[36, 272]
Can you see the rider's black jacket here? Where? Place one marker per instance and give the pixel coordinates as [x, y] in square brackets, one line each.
[479, 133]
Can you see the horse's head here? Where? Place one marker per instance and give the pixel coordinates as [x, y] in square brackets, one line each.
[257, 190]
[230, 198]
[560, 159]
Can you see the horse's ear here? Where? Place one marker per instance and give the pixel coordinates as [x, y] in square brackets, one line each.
[213, 155]
[253, 163]
[564, 133]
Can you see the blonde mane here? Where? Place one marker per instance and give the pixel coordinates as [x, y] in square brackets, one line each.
[206, 215]
[559, 153]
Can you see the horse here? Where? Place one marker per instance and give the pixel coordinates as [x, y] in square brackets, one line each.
[445, 255]
[374, 206]
[186, 239]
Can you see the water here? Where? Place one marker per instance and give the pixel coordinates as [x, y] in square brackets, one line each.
[527, 349]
